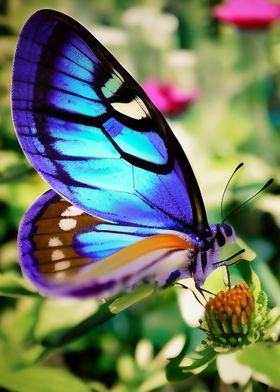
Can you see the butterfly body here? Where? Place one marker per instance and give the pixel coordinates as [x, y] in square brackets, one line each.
[125, 205]
[208, 251]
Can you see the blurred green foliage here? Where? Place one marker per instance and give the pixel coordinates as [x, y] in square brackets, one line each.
[237, 119]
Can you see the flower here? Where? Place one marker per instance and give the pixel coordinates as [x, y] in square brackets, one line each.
[235, 318]
[251, 15]
[168, 98]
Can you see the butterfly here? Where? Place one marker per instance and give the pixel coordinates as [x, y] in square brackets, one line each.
[125, 206]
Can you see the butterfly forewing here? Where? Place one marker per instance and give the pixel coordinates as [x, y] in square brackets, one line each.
[93, 134]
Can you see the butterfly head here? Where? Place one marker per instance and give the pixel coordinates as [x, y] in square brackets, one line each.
[207, 258]
[222, 233]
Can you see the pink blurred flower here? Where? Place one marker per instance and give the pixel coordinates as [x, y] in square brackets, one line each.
[248, 14]
[168, 98]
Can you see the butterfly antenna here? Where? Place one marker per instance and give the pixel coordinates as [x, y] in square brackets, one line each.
[266, 185]
[223, 262]
[226, 187]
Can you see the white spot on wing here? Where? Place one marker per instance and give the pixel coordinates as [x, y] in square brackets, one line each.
[59, 275]
[72, 211]
[57, 255]
[134, 109]
[54, 241]
[62, 265]
[67, 224]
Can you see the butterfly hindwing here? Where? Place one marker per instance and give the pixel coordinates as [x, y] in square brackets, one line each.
[90, 130]
[65, 251]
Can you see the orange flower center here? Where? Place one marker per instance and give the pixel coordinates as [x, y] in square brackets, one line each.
[232, 306]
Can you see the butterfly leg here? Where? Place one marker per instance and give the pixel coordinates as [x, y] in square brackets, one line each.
[228, 282]
[227, 270]
[202, 291]
[194, 293]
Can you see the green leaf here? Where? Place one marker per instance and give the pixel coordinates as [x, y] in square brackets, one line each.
[16, 375]
[215, 281]
[249, 254]
[66, 336]
[180, 368]
[25, 317]
[270, 284]
[16, 173]
[255, 283]
[191, 359]
[274, 317]
[104, 313]
[14, 286]
[250, 277]
[264, 359]
[130, 299]
[71, 312]
[172, 370]
[43, 379]
[198, 359]
[97, 387]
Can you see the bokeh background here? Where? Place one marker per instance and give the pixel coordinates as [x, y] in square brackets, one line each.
[218, 83]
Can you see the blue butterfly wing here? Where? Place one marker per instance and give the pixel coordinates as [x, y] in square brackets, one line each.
[66, 252]
[93, 134]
